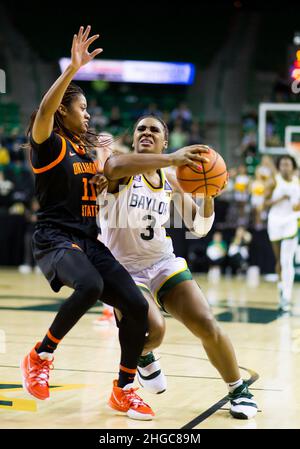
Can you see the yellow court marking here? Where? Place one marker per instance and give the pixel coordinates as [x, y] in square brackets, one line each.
[29, 405]
[25, 405]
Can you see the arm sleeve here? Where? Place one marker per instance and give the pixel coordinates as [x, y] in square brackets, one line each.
[202, 225]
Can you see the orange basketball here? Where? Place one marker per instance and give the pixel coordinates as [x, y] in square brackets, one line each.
[209, 179]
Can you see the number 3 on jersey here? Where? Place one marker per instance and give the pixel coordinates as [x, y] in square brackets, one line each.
[149, 228]
[86, 196]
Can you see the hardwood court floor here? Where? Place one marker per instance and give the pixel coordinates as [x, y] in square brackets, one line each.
[267, 346]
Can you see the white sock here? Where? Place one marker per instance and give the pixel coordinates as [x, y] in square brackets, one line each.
[46, 356]
[128, 386]
[233, 385]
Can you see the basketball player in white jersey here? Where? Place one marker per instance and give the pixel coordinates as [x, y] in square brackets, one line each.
[283, 197]
[140, 243]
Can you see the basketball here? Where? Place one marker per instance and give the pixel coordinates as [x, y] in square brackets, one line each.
[209, 179]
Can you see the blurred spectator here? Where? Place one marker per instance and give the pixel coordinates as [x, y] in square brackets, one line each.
[238, 252]
[6, 193]
[249, 139]
[266, 168]
[152, 109]
[98, 120]
[4, 156]
[115, 120]
[23, 182]
[194, 134]
[166, 117]
[178, 137]
[241, 194]
[216, 250]
[257, 191]
[272, 138]
[182, 112]
[31, 218]
[251, 160]
[228, 191]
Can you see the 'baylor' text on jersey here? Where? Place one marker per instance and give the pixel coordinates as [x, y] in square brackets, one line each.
[132, 223]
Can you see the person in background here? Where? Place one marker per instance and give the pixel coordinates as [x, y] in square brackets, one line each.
[241, 193]
[283, 198]
[31, 218]
[194, 134]
[257, 191]
[178, 137]
[216, 253]
[238, 251]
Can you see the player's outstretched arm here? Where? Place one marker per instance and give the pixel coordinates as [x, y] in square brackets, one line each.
[124, 165]
[80, 56]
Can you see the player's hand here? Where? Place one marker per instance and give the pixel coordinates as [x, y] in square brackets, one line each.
[191, 155]
[100, 182]
[79, 52]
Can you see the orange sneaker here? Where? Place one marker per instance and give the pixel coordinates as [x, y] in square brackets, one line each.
[106, 318]
[35, 370]
[126, 400]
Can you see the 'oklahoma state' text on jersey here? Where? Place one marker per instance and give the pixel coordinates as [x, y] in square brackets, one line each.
[62, 172]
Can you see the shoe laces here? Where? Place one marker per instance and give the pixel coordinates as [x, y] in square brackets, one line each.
[240, 393]
[40, 371]
[133, 399]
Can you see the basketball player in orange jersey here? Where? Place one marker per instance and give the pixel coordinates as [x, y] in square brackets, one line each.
[143, 248]
[65, 242]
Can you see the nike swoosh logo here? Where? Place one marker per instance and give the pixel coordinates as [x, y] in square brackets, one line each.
[136, 187]
[72, 154]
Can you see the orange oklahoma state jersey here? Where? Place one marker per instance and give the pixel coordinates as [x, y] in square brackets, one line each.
[62, 172]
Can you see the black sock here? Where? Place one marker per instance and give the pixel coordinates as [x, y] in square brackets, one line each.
[49, 344]
[126, 376]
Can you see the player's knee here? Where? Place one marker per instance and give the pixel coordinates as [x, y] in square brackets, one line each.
[92, 289]
[157, 331]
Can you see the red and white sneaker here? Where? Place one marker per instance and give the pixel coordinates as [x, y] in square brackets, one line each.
[35, 371]
[106, 318]
[126, 400]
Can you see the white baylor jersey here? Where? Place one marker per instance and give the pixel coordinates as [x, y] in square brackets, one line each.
[132, 223]
[282, 219]
[284, 209]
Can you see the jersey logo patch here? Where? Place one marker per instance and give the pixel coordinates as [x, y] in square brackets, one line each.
[76, 246]
[72, 154]
[137, 178]
[167, 186]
